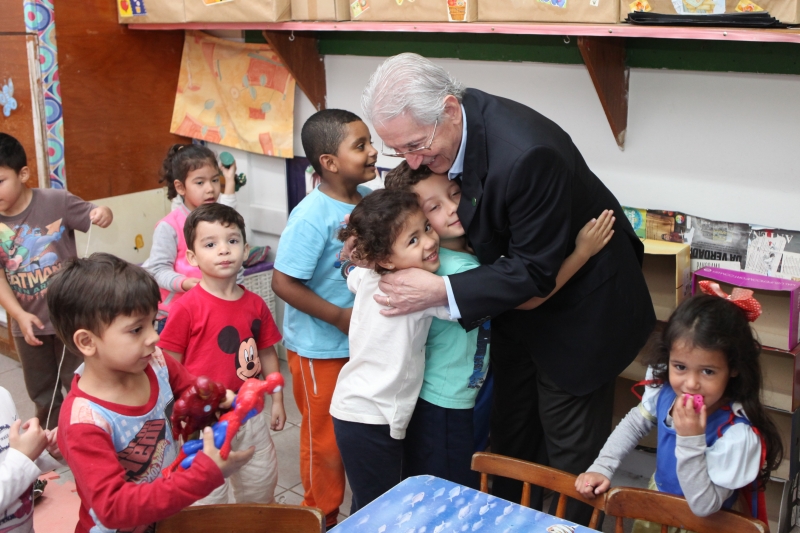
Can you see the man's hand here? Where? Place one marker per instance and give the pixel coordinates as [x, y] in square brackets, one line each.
[410, 290]
[101, 216]
[27, 322]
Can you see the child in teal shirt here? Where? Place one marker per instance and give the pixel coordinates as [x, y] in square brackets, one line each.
[439, 439]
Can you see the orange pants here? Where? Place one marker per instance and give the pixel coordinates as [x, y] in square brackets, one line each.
[321, 468]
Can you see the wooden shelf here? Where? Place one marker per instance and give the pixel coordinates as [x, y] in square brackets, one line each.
[518, 28]
[604, 57]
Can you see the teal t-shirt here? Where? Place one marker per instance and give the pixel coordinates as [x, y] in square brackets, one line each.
[454, 366]
[309, 251]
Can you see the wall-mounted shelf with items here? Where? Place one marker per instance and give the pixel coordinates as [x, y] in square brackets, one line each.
[602, 48]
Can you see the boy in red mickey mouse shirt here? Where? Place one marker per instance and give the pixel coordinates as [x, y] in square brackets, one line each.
[221, 330]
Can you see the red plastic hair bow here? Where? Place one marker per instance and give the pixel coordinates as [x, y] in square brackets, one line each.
[739, 297]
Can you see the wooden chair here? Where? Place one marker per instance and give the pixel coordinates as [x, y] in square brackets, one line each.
[534, 474]
[670, 510]
[245, 518]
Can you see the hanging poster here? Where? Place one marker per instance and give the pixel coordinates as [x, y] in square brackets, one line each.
[235, 94]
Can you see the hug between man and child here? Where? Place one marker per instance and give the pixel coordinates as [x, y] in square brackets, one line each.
[477, 248]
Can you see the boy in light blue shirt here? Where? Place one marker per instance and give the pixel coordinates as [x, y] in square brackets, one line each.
[439, 439]
[308, 277]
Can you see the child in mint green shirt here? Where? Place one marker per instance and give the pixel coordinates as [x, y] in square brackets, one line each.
[439, 439]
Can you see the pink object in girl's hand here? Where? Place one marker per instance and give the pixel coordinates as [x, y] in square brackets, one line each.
[697, 401]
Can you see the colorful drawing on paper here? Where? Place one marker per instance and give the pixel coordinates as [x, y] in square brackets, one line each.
[746, 6]
[556, 3]
[457, 10]
[215, 2]
[39, 19]
[640, 5]
[124, 7]
[698, 7]
[235, 94]
[357, 7]
[138, 7]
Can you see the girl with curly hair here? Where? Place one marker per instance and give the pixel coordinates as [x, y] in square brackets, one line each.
[378, 387]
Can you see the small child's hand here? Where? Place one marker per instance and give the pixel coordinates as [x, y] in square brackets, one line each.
[228, 401]
[32, 442]
[188, 283]
[595, 234]
[101, 216]
[27, 322]
[229, 174]
[688, 422]
[591, 484]
[235, 460]
[278, 413]
[343, 320]
[52, 443]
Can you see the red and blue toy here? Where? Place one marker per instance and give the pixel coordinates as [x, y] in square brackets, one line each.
[248, 403]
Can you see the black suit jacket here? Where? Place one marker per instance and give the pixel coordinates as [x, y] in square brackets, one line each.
[526, 193]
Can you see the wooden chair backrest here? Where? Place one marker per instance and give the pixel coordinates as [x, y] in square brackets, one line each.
[671, 510]
[245, 518]
[534, 474]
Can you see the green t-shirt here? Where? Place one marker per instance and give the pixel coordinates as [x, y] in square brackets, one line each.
[454, 372]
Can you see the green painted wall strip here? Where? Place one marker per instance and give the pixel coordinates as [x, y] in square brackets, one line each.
[710, 56]
[714, 56]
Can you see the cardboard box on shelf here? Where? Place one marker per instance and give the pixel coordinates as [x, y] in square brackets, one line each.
[777, 327]
[789, 429]
[780, 505]
[414, 10]
[787, 11]
[237, 10]
[595, 11]
[321, 9]
[667, 272]
[781, 371]
[152, 12]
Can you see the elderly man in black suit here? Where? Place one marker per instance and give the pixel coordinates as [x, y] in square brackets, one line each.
[526, 192]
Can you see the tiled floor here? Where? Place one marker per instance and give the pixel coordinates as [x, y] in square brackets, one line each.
[57, 510]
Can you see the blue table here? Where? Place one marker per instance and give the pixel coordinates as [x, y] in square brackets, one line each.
[427, 504]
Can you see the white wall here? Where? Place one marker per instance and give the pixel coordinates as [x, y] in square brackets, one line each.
[724, 146]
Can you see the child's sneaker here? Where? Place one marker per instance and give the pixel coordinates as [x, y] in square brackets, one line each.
[38, 488]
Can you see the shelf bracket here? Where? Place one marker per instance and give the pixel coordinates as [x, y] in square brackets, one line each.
[605, 60]
[299, 52]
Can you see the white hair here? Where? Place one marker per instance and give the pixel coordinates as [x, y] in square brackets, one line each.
[408, 84]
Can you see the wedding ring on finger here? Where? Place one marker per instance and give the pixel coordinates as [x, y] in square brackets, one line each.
[389, 301]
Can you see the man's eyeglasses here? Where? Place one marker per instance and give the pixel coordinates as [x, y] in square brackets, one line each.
[394, 153]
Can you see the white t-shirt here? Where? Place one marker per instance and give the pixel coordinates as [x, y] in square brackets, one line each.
[381, 382]
[17, 474]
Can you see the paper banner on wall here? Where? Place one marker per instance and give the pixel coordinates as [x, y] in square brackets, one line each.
[235, 94]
